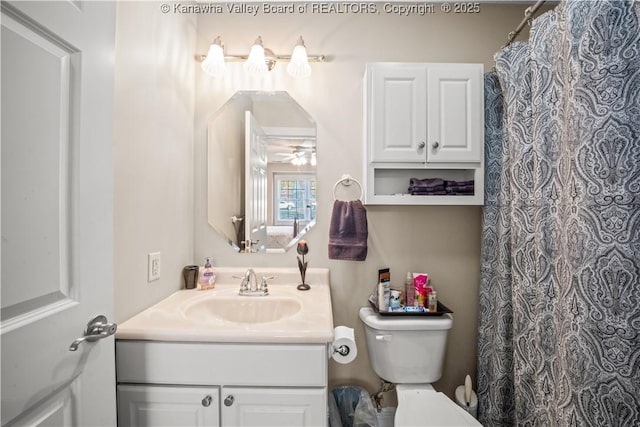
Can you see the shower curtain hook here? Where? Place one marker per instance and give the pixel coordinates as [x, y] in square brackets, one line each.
[528, 13]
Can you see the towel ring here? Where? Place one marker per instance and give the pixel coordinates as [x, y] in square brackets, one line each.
[347, 180]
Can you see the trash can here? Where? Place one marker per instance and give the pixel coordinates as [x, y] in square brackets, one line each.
[386, 416]
[351, 406]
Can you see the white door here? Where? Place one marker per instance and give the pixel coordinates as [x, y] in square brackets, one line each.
[456, 111]
[171, 406]
[255, 206]
[57, 231]
[397, 112]
[273, 407]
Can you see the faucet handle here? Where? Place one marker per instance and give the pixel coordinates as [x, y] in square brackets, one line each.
[264, 286]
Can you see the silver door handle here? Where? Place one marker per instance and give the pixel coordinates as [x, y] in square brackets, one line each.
[97, 328]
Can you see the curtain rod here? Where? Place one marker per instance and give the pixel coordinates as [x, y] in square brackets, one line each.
[528, 15]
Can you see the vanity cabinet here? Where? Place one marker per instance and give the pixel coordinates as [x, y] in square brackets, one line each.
[273, 407]
[422, 121]
[218, 384]
[158, 405]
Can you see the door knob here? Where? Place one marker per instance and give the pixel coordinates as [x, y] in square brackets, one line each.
[435, 145]
[206, 402]
[97, 328]
[228, 401]
[422, 144]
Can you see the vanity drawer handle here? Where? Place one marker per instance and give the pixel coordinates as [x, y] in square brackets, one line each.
[422, 144]
[435, 145]
[206, 402]
[228, 401]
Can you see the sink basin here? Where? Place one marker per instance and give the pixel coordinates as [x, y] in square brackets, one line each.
[286, 315]
[243, 309]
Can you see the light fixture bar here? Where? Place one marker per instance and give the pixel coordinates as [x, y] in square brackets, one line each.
[239, 58]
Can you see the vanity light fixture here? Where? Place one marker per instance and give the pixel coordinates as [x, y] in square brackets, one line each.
[256, 63]
[260, 60]
[213, 64]
[299, 67]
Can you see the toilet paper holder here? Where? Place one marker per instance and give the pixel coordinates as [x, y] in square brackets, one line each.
[342, 350]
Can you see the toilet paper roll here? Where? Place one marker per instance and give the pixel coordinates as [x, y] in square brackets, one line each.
[344, 345]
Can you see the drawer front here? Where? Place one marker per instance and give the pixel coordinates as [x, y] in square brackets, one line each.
[284, 365]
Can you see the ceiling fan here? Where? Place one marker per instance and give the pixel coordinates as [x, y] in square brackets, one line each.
[298, 155]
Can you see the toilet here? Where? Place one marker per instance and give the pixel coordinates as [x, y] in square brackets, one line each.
[409, 352]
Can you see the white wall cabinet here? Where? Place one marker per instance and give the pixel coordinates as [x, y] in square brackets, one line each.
[214, 384]
[422, 121]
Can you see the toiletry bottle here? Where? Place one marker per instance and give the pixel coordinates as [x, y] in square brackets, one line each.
[409, 291]
[384, 293]
[428, 289]
[384, 289]
[420, 281]
[206, 276]
[433, 302]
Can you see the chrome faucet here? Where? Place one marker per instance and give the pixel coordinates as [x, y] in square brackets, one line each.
[249, 285]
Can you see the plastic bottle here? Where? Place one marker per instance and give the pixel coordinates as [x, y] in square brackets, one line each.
[409, 291]
[433, 302]
[384, 292]
[206, 276]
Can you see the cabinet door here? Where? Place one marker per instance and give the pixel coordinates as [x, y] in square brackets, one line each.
[265, 407]
[145, 405]
[396, 112]
[455, 106]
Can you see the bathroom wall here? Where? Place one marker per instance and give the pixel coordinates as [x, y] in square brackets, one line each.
[442, 241]
[153, 152]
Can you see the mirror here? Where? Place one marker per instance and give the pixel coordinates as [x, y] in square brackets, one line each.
[261, 165]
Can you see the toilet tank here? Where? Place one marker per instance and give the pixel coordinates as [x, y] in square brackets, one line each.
[406, 349]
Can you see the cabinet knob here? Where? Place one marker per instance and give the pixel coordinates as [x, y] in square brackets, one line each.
[228, 401]
[422, 144]
[206, 402]
[435, 145]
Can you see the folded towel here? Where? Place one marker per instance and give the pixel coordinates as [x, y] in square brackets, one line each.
[426, 183]
[458, 183]
[429, 193]
[461, 189]
[348, 231]
[439, 188]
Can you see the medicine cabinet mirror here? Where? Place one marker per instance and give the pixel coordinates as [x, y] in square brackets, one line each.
[261, 165]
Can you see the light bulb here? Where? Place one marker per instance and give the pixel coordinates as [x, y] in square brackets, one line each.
[256, 64]
[214, 64]
[299, 65]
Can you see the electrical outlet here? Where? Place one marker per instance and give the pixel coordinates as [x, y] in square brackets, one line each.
[153, 266]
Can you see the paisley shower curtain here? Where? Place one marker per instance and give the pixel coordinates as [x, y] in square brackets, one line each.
[559, 327]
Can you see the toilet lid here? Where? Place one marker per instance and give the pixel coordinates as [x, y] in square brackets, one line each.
[432, 409]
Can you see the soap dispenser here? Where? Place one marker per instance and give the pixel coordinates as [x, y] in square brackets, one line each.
[206, 276]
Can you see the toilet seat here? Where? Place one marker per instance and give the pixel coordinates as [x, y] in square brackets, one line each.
[422, 405]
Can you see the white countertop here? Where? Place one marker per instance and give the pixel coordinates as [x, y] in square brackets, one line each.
[172, 319]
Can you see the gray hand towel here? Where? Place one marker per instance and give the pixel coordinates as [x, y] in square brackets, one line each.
[348, 231]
